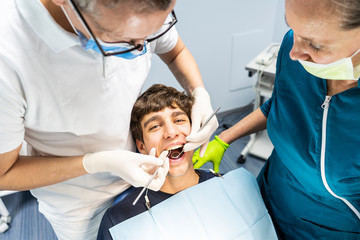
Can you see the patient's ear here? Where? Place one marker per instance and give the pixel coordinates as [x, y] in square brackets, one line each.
[140, 146]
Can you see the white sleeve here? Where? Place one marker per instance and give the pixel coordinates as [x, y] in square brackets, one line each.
[12, 108]
[167, 42]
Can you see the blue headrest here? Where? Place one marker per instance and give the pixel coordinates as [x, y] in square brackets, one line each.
[123, 195]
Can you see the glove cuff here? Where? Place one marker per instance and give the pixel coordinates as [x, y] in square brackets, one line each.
[89, 162]
[200, 91]
[221, 142]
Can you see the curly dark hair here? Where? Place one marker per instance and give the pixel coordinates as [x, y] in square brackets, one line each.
[155, 99]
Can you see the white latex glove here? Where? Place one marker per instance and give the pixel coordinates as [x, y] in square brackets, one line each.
[129, 166]
[201, 110]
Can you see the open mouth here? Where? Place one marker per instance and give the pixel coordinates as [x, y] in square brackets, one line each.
[175, 152]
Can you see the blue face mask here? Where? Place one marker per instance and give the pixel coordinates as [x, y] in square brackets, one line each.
[115, 47]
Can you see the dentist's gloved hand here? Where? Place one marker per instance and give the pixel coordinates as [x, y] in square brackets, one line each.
[201, 110]
[129, 166]
[214, 153]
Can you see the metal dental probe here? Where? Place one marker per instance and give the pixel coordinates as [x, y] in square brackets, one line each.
[208, 119]
[152, 177]
[146, 186]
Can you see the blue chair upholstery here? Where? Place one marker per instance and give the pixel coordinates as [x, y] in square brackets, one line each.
[123, 195]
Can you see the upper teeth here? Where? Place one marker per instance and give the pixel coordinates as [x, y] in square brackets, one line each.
[175, 147]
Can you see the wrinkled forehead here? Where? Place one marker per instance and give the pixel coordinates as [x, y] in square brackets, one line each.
[125, 21]
[319, 11]
[126, 7]
[313, 19]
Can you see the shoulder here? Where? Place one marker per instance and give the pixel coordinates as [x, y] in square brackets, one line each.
[124, 208]
[285, 66]
[119, 212]
[288, 39]
[11, 24]
[286, 45]
[8, 12]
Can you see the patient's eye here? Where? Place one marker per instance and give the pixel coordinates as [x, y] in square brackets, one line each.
[154, 126]
[180, 120]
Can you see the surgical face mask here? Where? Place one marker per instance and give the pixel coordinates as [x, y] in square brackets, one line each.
[342, 69]
[115, 47]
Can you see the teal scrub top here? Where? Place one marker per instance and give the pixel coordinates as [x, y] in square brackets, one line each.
[291, 182]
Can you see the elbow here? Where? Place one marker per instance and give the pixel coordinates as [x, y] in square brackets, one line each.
[7, 164]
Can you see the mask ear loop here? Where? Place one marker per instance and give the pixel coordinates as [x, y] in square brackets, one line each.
[67, 17]
[355, 53]
[79, 17]
[356, 69]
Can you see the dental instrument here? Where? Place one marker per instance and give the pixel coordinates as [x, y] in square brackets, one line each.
[208, 119]
[215, 173]
[146, 186]
[175, 156]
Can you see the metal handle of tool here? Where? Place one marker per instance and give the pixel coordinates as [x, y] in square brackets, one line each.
[208, 119]
[146, 186]
[153, 176]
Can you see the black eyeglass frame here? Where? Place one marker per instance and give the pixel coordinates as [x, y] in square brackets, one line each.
[106, 54]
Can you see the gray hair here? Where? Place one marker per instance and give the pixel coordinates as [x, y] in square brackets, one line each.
[86, 5]
[137, 5]
[349, 13]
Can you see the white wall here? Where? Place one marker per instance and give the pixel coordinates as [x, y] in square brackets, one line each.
[280, 27]
[224, 36]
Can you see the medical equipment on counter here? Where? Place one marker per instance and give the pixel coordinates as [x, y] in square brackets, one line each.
[264, 65]
[225, 208]
[152, 177]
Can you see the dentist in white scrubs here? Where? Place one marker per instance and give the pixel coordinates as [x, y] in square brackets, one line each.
[70, 72]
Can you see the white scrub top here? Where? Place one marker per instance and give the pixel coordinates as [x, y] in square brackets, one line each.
[66, 101]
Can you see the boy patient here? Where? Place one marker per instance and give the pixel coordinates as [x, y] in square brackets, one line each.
[160, 121]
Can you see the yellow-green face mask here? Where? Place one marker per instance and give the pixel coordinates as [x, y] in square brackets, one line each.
[342, 69]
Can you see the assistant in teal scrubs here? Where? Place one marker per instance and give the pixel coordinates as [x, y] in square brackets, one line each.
[311, 182]
[291, 182]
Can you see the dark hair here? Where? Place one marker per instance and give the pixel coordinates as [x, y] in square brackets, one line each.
[349, 13]
[155, 99]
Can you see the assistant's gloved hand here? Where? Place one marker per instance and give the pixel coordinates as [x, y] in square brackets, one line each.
[214, 153]
[201, 110]
[129, 166]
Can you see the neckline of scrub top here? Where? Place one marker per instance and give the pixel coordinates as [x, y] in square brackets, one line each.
[37, 16]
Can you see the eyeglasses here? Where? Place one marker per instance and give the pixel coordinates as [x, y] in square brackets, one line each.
[129, 46]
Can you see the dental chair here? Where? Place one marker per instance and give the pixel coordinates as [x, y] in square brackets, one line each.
[123, 195]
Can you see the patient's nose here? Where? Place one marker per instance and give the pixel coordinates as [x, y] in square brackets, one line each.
[171, 131]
